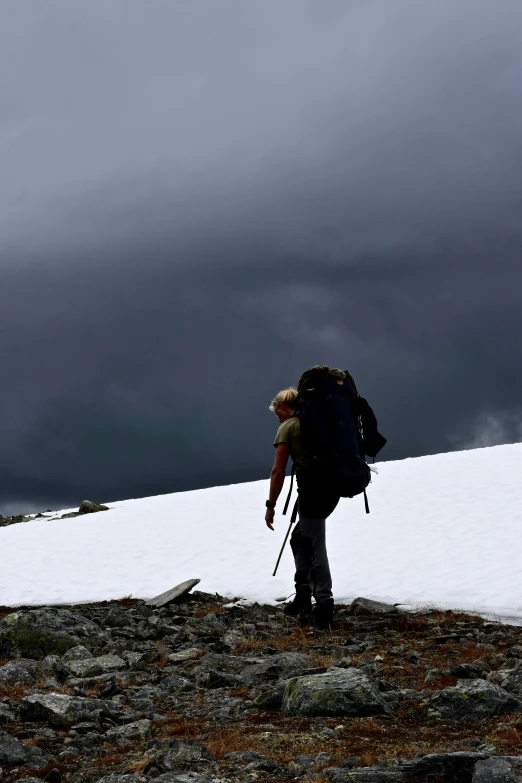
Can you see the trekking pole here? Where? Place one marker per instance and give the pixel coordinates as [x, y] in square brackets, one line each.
[292, 520]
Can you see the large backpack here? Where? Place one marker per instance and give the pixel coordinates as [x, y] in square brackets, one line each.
[338, 428]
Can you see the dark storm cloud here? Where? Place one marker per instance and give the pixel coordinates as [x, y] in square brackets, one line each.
[199, 201]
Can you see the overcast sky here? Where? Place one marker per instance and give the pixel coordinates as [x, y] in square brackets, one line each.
[200, 200]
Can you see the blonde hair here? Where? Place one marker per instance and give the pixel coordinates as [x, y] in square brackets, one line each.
[284, 397]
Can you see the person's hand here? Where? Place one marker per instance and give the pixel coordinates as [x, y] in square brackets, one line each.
[269, 518]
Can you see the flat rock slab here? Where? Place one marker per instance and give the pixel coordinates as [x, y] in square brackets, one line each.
[336, 692]
[473, 700]
[63, 711]
[190, 654]
[171, 595]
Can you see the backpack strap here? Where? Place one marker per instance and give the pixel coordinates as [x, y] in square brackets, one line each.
[290, 491]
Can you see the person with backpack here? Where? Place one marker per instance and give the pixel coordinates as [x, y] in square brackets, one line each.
[321, 429]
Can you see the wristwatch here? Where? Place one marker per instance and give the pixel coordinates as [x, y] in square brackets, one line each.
[268, 504]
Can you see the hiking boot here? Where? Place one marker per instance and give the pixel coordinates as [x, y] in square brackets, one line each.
[323, 614]
[301, 606]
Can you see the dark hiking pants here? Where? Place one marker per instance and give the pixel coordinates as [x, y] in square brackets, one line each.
[317, 500]
[308, 542]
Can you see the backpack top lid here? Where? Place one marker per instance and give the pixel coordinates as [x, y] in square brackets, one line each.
[320, 376]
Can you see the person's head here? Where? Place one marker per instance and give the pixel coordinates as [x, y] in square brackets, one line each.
[284, 404]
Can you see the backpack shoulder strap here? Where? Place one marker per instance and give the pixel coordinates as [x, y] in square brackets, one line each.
[290, 491]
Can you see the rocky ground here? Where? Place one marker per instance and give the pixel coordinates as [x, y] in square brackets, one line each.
[204, 690]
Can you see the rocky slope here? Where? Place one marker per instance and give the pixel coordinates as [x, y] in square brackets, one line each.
[201, 690]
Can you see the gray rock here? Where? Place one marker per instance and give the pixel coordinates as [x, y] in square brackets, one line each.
[77, 653]
[173, 594]
[88, 507]
[176, 684]
[93, 667]
[175, 754]
[363, 775]
[5, 714]
[336, 692]
[139, 729]
[512, 680]
[183, 777]
[494, 770]
[14, 753]
[18, 672]
[36, 633]
[272, 699]
[117, 617]
[233, 638]
[514, 652]
[447, 767]
[243, 756]
[275, 666]
[308, 762]
[213, 678]
[367, 606]
[63, 711]
[190, 654]
[123, 779]
[472, 700]
[262, 765]
[470, 671]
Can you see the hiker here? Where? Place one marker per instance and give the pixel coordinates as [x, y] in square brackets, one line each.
[317, 499]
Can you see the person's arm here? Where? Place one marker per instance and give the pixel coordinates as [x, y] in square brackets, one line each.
[277, 479]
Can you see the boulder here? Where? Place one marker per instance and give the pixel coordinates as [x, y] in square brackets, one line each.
[336, 692]
[138, 729]
[18, 672]
[77, 653]
[367, 606]
[512, 680]
[88, 507]
[472, 700]
[93, 667]
[272, 699]
[36, 633]
[495, 770]
[63, 711]
[15, 754]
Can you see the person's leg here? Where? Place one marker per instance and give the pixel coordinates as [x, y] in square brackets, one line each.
[313, 531]
[303, 555]
[301, 606]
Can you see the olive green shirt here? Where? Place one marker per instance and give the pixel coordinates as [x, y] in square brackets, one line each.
[289, 432]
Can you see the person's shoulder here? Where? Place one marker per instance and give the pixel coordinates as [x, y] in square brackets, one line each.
[294, 425]
[287, 429]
